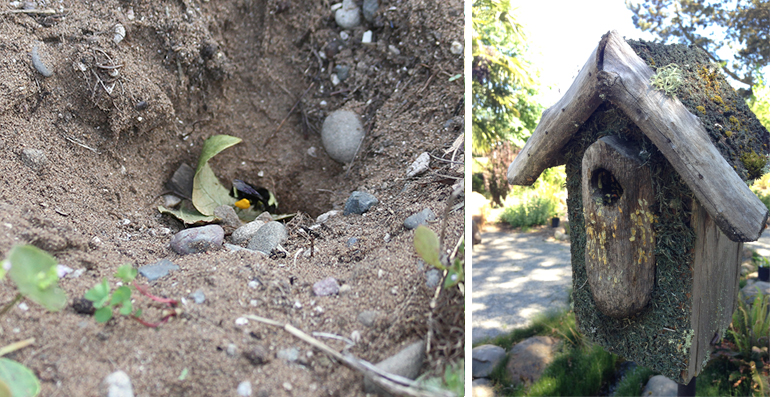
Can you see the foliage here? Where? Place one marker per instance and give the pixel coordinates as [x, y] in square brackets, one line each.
[534, 205]
[580, 371]
[105, 302]
[714, 26]
[535, 211]
[17, 380]
[495, 174]
[427, 246]
[34, 273]
[453, 379]
[762, 189]
[744, 353]
[633, 382]
[760, 102]
[502, 80]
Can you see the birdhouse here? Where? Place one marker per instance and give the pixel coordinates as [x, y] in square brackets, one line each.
[658, 151]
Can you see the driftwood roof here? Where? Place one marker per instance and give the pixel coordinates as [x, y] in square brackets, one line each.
[615, 73]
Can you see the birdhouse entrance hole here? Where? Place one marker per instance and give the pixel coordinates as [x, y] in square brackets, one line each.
[605, 187]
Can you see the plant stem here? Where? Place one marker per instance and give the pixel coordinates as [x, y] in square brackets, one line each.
[10, 304]
[170, 302]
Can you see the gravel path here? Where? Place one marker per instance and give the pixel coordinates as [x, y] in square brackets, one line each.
[518, 275]
[514, 277]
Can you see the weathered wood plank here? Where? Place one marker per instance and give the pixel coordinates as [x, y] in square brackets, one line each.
[620, 243]
[558, 124]
[715, 287]
[679, 135]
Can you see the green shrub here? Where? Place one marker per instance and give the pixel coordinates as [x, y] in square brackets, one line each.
[534, 211]
[633, 382]
[578, 372]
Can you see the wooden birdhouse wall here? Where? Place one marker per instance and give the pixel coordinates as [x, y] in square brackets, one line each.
[660, 335]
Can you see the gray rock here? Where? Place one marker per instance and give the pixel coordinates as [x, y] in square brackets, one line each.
[35, 159]
[341, 134]
[158, 269]
[484, 359]
[268, 237]
[347, 16]
[433, 278]
[420, 165]
[342, 71]
[660, 386]
[235, 248]
[258, 355]
[368, 9]
[244, 389]
[246, 232]
[359, 203]
[420, 218]
[750, 291]
[345, 289]
[197, 239]
[117, 384]
[229, 217]
[368, 317]
[482, 387]
[325, 216]
[325, 287]
[406, 363]
[351, 242]
[529, 358]
[231, 350]
[198, 296]
[290, 354]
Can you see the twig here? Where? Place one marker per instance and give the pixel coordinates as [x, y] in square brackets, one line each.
[290, 113]
[39, 12]
[394, 384]
[10, 304]
[16, 346]
[75, 141]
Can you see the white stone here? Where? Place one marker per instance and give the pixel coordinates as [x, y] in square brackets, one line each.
[420, 165]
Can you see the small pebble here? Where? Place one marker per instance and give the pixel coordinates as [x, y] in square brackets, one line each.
[367, 318]
[456, 48]
[197, 239]
[433, 278]
[325, 216]
[351, 242]
[37, 63]
[366, 38]
[419, 166]
[392, 48]
[198, 296]
[344, 290]
[268, 237]
[62, 270]
[120, 33]
[290, 354]
[171, 200]
[325, 287]
[234, 248]
[356, 337]
[242, 321]
[158, 269]
[341, 134]
[420, 218]
[245, 389]
[258, 355]
[228, 216]
[312, 152]
[359, 203]
[231, 350]
[35, 159]
[342, 71]
[347, 16]
[117, 384]
[368, 9]
[246, 232]
[23, 306]
[287, 386]
[253, 284]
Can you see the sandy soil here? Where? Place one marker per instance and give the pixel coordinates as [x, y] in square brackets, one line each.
[114, 122]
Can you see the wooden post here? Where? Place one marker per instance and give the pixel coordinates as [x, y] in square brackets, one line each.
[620, 244]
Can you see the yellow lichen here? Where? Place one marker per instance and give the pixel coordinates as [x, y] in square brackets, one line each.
[717, 99]
[729, 133]
[701, 109]
[754, 163]
[733, 120]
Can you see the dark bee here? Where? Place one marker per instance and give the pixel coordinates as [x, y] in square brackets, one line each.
[249, 196]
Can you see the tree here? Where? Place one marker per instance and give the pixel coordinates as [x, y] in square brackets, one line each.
[714, 26]
[502, 81]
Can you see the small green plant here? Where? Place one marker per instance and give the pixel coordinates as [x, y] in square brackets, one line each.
[634, 381]
[453, 379]
[667, 79]
[105, 302]
[535, 211]
[34, 273]
[427, 246]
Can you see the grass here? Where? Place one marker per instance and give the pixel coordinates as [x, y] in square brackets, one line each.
[534, 211]
[634, 381]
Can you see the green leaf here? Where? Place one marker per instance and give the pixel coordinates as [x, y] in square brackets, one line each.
[427, 246]
[126, 308]
[452, 279]
[127, 273]
[3, 265]
[100, 294]
[183, 375]
[18, 380]
[456, 77]
[103, 315]
[188, 214]
[34, 272]
[138, 313]
[208, 193]
[121, 295]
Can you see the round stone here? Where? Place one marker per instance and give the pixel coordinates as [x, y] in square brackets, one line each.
[341, 134]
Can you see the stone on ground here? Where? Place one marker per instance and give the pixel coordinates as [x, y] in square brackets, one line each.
[484, 359]
[406, 363]
[529, 358]
[660, 386]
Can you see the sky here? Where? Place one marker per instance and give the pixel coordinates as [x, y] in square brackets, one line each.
[563, 34]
